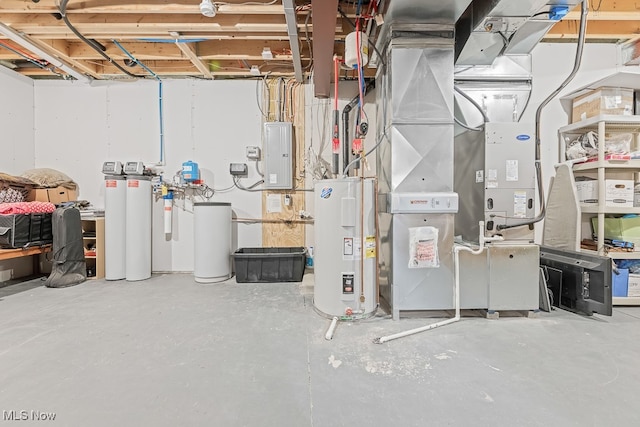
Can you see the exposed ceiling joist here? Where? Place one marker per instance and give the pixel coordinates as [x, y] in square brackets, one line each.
[190, 53]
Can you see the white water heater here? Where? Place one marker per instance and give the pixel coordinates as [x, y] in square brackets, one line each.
[345, 251]
[115, 216]
[138, 226]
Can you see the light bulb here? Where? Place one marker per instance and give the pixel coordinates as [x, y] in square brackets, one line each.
[208, 9]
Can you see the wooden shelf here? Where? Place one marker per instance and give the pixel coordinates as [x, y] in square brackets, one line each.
[95, 224]
[626, 300]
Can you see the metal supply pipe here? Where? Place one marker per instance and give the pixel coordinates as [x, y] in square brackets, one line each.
[346, 111]
[576, 67]
[456, 262]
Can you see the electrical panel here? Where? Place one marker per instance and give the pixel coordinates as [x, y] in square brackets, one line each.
[278, 156]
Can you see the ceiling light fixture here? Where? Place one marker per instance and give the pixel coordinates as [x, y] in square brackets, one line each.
[208, 9]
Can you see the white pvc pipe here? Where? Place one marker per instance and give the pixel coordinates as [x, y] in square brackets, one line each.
[332, 328]
[456, 263]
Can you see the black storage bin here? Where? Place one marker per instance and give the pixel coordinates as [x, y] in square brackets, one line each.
[23, 230]
[268, 265]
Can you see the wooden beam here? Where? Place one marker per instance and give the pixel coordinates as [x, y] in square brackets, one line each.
[60, 49]
[595, 30]
[190, 52]
[136, 7]
[324, 18]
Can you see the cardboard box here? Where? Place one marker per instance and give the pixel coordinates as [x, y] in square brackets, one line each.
[604, 100]
[633, 288]
[587, 190]
[627, 229]
[619, 193]
[54, 195]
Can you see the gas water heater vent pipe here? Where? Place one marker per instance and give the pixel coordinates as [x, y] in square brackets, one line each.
[576, 66]
[456, 262]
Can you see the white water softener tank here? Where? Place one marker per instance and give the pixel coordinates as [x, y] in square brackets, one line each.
[345, 247]
[115, 217]
[138, 226]
[212, 241]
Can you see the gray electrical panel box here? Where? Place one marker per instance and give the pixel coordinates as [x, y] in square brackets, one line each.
[278, 156]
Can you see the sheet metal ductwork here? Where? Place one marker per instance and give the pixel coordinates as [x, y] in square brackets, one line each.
[490, 28]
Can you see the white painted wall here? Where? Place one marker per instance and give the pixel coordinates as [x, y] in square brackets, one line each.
[77, 128]
[16, 122]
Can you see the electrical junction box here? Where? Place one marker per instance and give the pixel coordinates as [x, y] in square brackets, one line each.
[134, 168]
[253, 153]
[238, 169]
[278, 156]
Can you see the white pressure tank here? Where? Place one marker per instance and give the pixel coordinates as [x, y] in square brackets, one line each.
[345, 247]
[138, 225]
[115, 217]
[212, 241]
[351, 43]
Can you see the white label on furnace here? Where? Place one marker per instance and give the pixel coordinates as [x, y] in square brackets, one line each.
[520, 204]
[479, 176]
[512, 170]
[273, 178]
[492, 175]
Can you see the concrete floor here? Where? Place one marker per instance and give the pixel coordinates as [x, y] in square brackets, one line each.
[171, 352]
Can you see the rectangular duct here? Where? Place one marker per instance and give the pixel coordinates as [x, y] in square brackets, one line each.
[325, 14]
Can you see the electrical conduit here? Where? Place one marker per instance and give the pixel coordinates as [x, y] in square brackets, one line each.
[456, 263]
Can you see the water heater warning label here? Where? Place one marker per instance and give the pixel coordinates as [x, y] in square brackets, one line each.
[370, 247]
[347, 246]
[347, 283]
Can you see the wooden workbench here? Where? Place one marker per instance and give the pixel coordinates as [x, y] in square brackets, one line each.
[18, 253]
